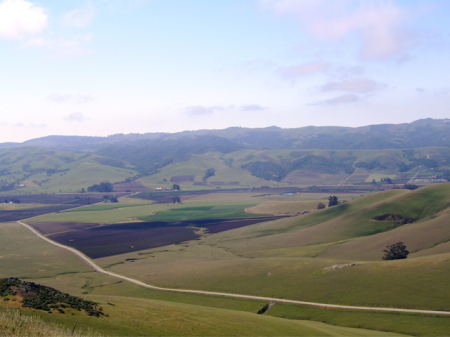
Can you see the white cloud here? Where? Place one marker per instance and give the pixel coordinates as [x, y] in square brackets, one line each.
[380, 26]
[79, 18]
[75, 117]
[19, 18]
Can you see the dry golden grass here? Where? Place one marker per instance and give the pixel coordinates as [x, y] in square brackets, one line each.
[14, 324]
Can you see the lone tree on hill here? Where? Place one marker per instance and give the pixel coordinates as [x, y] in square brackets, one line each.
[333, 201]
[395, 252]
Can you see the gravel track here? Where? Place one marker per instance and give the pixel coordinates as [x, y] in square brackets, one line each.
[260, 298]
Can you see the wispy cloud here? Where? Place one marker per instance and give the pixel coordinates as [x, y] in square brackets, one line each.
[67, 98]
[38, 126]
[21, 18]
[329, 69]
[292, 73]
[65, 46]
[380, 26]
[253, 107]
[202, 110]
[342, 99]
[356, 85]
[79, 18]
[75, 117]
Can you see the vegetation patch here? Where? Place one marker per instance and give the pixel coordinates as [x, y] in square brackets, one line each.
[394, 217]
[45, 298]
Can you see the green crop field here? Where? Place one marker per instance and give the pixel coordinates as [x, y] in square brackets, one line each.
[112, 215]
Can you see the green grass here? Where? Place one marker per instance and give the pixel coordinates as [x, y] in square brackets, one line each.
[24, 255]
[372, 284]
[201, 213]
[177, 213]
[409, 324]
[196, 166]
[101, 207]
[143, 317]
[122, 214]
[284, 258]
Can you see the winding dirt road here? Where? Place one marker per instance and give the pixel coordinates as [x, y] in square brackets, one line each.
[260, 298]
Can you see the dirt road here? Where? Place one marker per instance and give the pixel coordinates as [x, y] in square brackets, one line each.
[260, 298]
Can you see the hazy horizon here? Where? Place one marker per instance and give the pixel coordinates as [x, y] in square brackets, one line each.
[99, 68]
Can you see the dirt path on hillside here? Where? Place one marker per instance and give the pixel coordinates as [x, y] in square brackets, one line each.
[260, 298]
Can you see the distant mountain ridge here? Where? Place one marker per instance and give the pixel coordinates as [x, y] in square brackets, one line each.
[238, 157]
[420, 133]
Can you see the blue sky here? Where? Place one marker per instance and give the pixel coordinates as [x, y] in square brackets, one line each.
[101, 67]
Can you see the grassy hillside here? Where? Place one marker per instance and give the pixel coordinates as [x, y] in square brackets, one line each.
[263, 259]
[32, 169]
[192, 173]
[141, 312]
[239, 158]
[287, 258]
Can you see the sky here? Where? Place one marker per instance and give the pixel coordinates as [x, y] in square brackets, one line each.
[103, 67]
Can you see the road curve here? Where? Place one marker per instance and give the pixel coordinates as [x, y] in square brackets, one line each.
[260, 298]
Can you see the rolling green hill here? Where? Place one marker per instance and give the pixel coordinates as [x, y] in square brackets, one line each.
[417, 153]
[288, 257]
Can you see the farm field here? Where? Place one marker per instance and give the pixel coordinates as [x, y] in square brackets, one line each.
[278, 257]
[166, 225]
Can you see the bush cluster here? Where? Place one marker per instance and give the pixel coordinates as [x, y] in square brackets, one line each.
[41, 297]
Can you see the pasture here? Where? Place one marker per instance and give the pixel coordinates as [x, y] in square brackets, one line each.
[283, 257]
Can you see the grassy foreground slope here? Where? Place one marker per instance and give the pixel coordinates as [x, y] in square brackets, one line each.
[132, 311]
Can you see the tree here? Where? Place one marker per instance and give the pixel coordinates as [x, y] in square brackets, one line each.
[176, 187]
[410, 187]
[102, 187]
[395, 252]
[209, 173]
[386, 180]
[176, 199]
[333, 201]
[320, 205]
